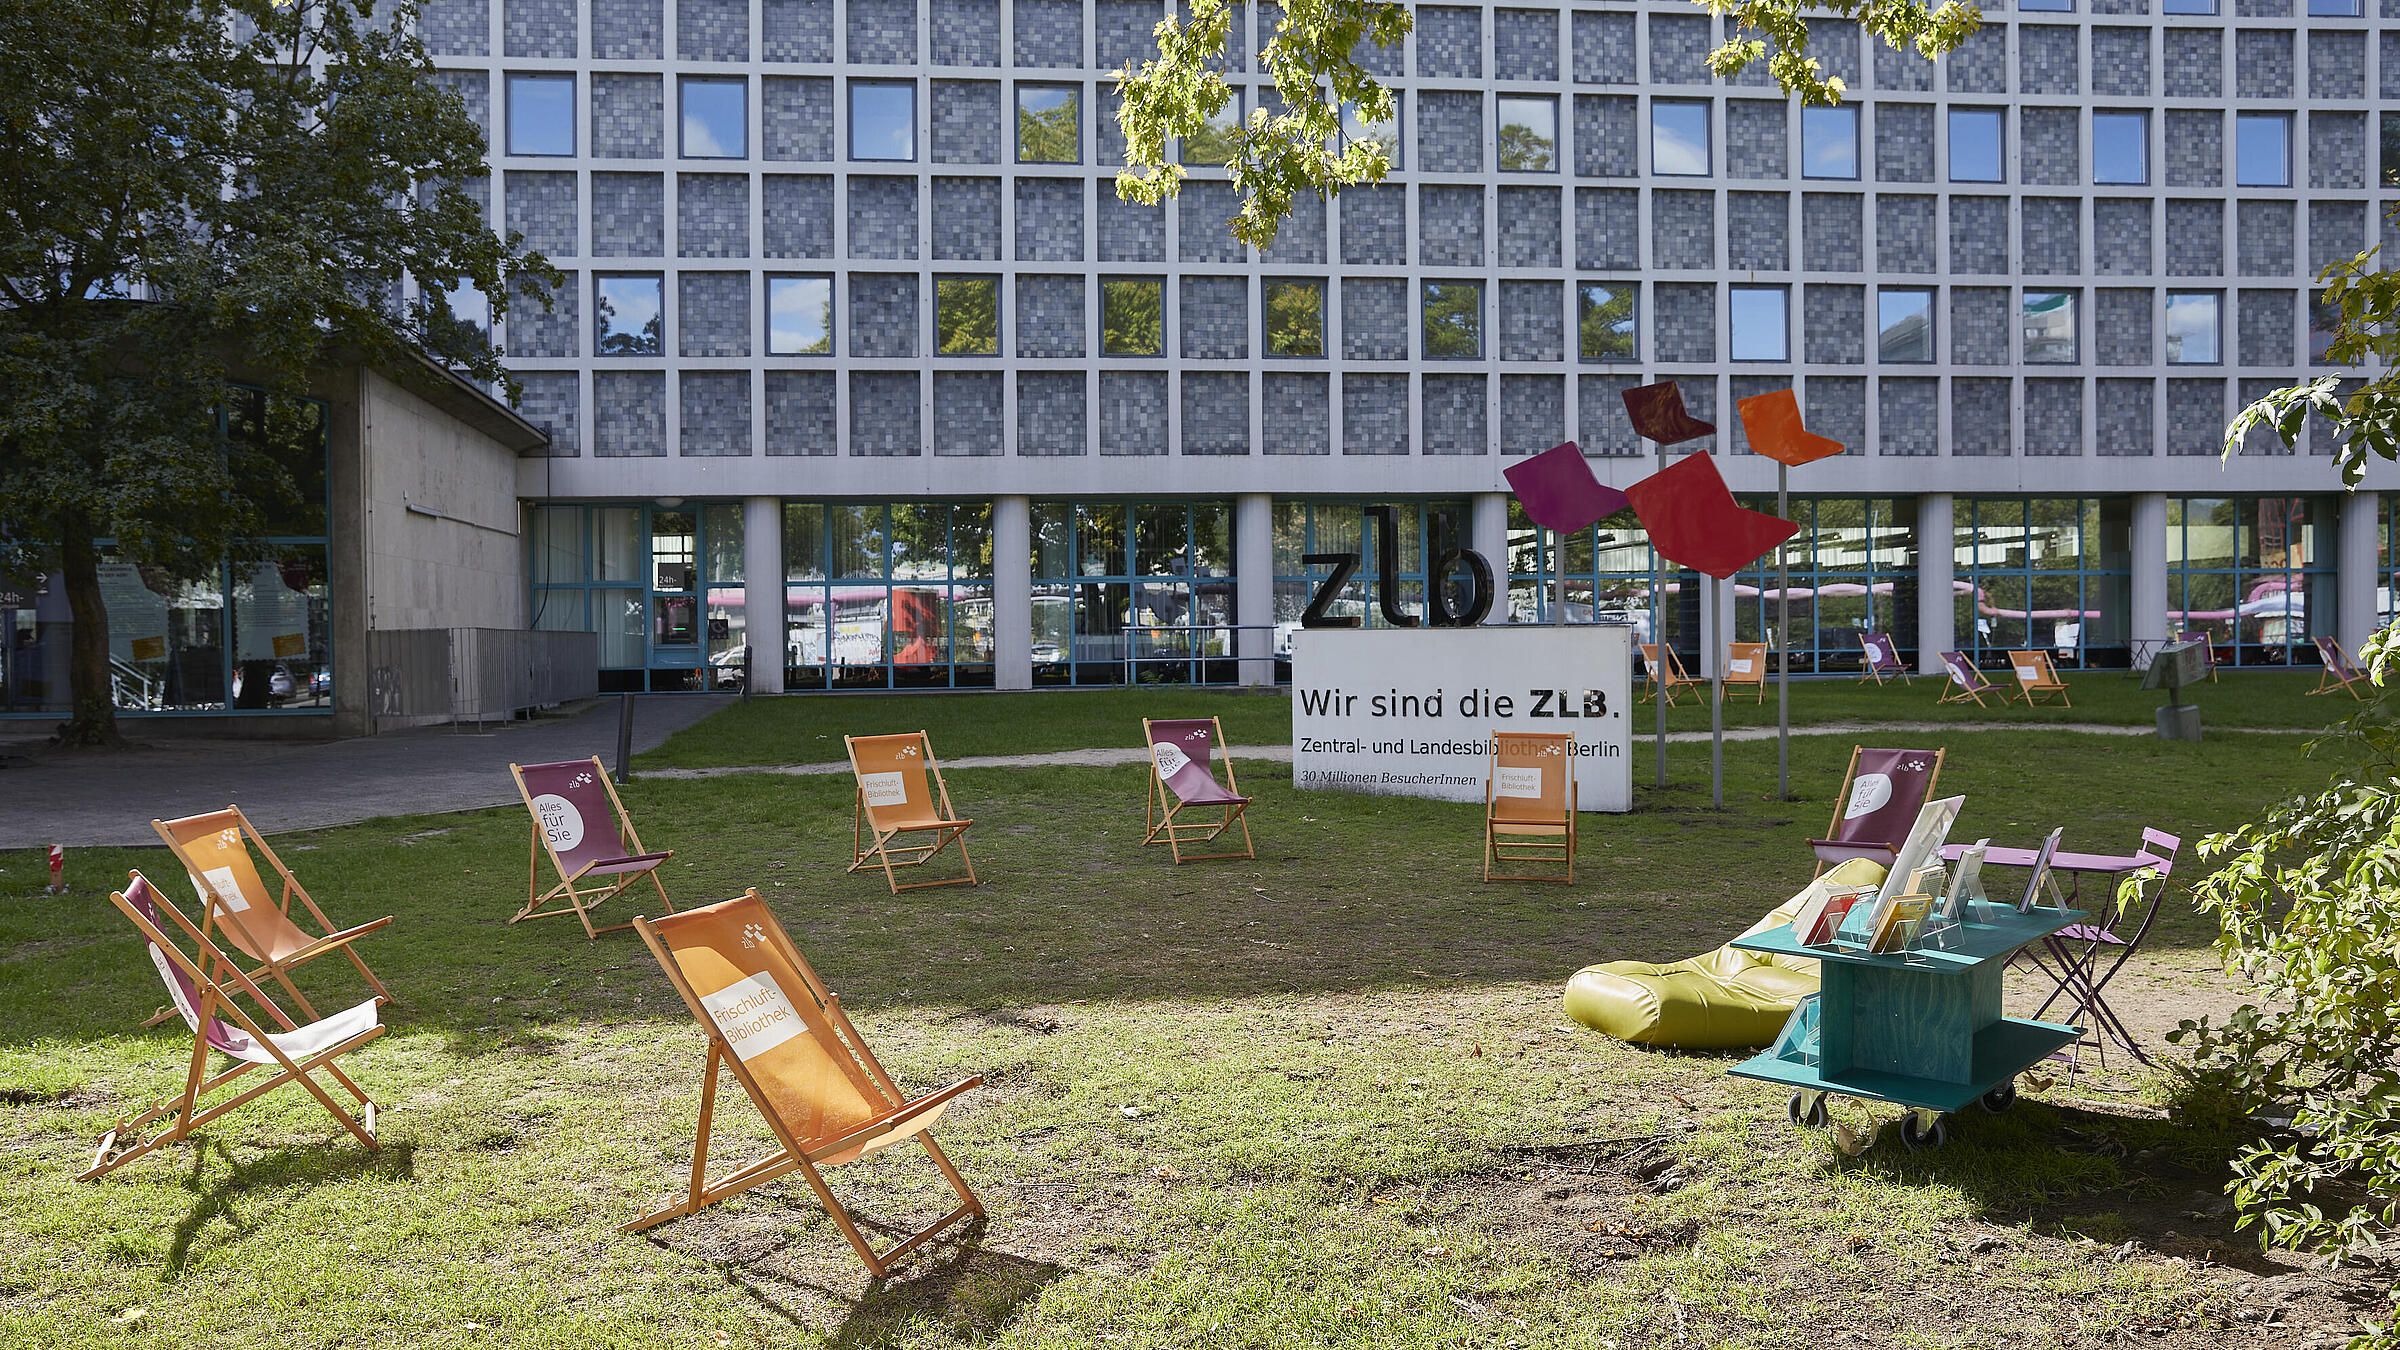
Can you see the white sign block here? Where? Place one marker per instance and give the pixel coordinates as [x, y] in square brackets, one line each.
[754, 1014]
[1411, 711]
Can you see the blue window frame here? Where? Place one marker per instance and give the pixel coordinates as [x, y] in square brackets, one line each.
[1853, 568]
[661, 586]
[2032, 575]
[2255, 574]
[1133, 592]
[887, 595]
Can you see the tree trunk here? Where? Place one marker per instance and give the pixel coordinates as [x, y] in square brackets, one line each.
[93, 717]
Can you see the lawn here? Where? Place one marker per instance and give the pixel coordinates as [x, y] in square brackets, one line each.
[1326, 1098]
[809, 729]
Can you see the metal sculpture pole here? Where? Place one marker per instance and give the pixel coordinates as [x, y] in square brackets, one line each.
[1716, 693]
[1658, 637]
[1783, 641]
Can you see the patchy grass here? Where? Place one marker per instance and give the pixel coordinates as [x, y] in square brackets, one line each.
[1322, 1099]
[808, 728]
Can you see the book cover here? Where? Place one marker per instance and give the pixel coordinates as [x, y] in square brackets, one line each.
[1829, 917]
[1900, 923]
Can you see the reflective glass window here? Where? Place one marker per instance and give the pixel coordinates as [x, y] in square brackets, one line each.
[966, 316]
[2262, 149]
[1213, 142]
[1760, 323]
[1129, 316]
[1049, 124]
[1453, 320]
[1679, 144]
[715, 119]
[1605, 320]
[2050, 332]
[541, 114]
[800, 316]
[1975, 145]
[1829, 142]
[627, 316]
[1295, 316]
[1904, 324]
[883, 120]
[2120, 147]
[2194, 328]
[1528, 138]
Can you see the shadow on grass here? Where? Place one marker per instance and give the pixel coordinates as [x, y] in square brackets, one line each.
[244, 1197]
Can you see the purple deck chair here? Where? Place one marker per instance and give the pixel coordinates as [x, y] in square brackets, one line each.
[1883, 658]
[2339, 675]
[1880, 797]
[580, 823]
[1966, 682]
[1184, 780]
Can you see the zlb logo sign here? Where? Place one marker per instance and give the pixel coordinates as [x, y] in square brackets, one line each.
[1439, 614]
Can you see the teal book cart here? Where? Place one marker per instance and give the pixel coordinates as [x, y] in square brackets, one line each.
[1919, 1028]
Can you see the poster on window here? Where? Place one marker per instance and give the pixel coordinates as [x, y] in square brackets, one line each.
[137, 615]
[1412, 711]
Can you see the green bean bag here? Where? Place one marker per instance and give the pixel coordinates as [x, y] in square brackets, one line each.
[1720, 1000]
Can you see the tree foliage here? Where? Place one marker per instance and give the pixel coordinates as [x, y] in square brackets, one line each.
[2304, 902]
[188, 188]
[1313, 60]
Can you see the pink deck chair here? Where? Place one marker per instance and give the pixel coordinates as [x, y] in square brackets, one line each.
[2208, 650]
[2339, 674]
[1185, 780]
[1883, 658]
[1966, 682]
[579, 821]
[1881, 795]
[296, 1053]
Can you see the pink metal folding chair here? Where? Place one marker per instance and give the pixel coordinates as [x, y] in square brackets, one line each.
[2080, 949]
[1966, 682]
[1883, 658]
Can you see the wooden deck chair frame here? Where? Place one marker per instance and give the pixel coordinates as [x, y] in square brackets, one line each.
[2339, 674]
[1544, 841]
[871, 844]
[1955, 692]
[213, 1002]
[2045, 681]
[1870, 670]
[1841, 798]
[215, 915]
[904, 1119]
[1160, 806]
[570, 895]
[1668, 665]
[1756, 680]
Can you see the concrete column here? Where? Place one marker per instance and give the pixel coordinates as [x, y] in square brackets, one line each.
[1488, 535]
[1012, 592]
[1254, 585]
[762, 592]
[2359, 581]
[1937, 568]
[2148, 624]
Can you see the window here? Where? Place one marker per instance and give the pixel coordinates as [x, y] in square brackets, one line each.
[2031, 573]
[1829, 142]
[716, 124]
[896, 596]
[1385, 133]
[1975, 136]
[1049, 122]
[966, 316]
[1604, 320]
[799, 316]
[1213, 142]
[2256, 574]
[1853, 565]
[1679, 138]
[627, 319]
[2323, 318]
[2120, 147]
[1129, 316]
[1295, 317]
[1453, 320]
[883, 120]
[2049, 325]
[2048, 6]
[541, 114]
[1528, 134]
[2391, 151]
[465, 306]
[2262, 150]
[2333, 9]
[1904, 324]
[2188, 6]
[2193, 328]
[1761, 329]
[1139, 590]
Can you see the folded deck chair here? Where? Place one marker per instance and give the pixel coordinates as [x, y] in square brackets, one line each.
[296, 1054]
[235, 906]
[1882, 658]
[2339, 674]
[2208, 650]
[901, 792]
[1965, 682]
[1746, 668]
[1881, 794]
[1669, 667]
[571, 801]
[1180, 751]
[772, 1022]
[2037, 679]
[1529, 805]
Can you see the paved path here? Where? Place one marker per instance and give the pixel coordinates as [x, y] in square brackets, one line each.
[95, 798]
[1283, 753]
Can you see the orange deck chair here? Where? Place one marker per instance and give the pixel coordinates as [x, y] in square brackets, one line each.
[296, 1053]
[1180, 751]
[235, 907]
[2339, 675]
[901, 791]
[2037, 679]
[772, 1022]
[1746, 668]
[1882, 791]
[1882, 659]
[1669, 666]
[571, 802]
[1529, 797]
